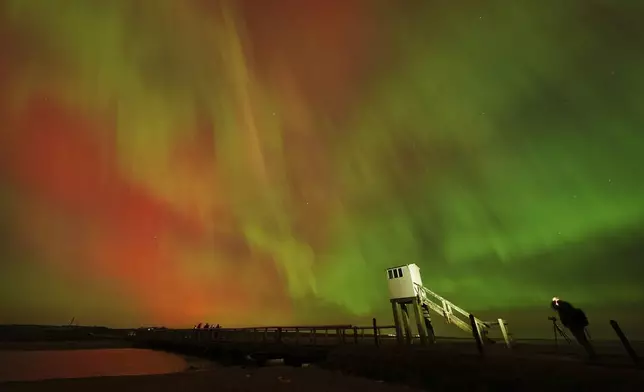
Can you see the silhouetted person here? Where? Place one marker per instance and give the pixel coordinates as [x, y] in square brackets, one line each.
[575, 320]
[199, 326]
[207, 326]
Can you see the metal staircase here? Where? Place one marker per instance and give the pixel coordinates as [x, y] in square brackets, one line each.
[459, 317]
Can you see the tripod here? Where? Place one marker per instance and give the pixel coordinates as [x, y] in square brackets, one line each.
[587, 332]
[558, 331]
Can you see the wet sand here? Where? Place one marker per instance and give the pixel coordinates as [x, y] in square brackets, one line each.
[222, 379]
[21, 365]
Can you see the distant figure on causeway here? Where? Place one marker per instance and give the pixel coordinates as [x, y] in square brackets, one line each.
[575, 320]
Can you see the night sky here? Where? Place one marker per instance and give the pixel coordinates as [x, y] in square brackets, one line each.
[262, 162]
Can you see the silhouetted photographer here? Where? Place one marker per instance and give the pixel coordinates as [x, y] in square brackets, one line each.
[576, 321]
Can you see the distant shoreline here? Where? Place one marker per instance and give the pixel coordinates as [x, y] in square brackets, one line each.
[64, 345]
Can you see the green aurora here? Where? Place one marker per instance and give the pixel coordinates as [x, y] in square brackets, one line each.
[497, 144]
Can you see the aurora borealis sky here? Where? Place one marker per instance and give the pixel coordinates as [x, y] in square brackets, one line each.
[261, 162]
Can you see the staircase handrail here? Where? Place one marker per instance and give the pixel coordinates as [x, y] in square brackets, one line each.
[427, 292]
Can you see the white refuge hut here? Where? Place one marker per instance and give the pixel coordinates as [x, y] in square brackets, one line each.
[403, 281]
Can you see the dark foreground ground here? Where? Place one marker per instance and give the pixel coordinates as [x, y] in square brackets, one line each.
[448, 366]
[219, 379]
[439, 369]
[368, 371]
[379, 369]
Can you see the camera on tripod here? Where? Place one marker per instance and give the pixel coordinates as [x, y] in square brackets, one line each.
[557, 330]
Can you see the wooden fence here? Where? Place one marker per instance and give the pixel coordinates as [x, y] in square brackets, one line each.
[318, 335]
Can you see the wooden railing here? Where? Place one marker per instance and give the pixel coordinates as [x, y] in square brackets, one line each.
[459, 317]
[452, 313]
[319, 335]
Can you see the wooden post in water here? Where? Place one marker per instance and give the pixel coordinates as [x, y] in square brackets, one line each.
[627, 345]
[476, 333]
[375, 332]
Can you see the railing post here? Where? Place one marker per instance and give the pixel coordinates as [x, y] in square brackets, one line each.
[279, 335]
[297, 336]
[375, 333]
[504, 332]
[446, 312]
[627, 345]
[315, 335]
[476, 333]
[355, 335]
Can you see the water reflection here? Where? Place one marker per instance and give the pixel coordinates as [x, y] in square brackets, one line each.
[40, 365]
